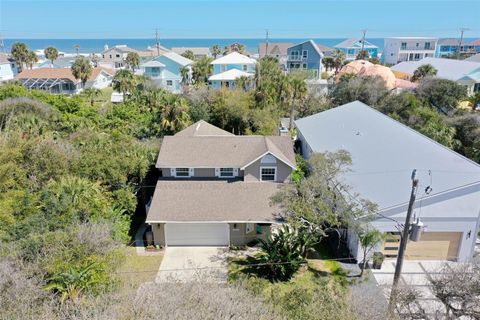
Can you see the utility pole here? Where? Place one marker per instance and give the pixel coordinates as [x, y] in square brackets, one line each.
[460, 43]
[403, 243]
[266, 42]
[157, 42]
[364, 31]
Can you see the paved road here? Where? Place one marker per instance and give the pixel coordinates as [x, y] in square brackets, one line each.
[184, 264]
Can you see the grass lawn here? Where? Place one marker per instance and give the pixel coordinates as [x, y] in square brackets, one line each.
[138, 269]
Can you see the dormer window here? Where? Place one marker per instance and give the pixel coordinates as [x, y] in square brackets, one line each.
[226, 172]
[183, 172]
[268, 173]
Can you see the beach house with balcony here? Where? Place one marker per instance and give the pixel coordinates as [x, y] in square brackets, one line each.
[305, 56]
[227, 69]
[165, 70]
[399, 49]
[352, 47]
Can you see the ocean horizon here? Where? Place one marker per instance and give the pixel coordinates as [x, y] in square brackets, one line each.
[97, 45]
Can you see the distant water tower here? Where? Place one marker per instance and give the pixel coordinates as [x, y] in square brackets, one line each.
[105, 47]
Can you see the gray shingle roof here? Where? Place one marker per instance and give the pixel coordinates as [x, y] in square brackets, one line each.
[450, 69]
[213, 201]
[221, 151]
[274, 48]
[384, 153]
[202, 128]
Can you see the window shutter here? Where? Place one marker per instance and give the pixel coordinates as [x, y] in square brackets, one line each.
[217, 172]
[173, 172]
[235, 172]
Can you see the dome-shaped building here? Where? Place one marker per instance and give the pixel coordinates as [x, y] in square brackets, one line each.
[383, 72]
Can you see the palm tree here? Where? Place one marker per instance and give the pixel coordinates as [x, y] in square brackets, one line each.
[185, 73]
[133, 60]
[82, 69]
[216, 51]
[51, 53]
[423, 71]
[202, 69]
[91, 94]
[124, 82]
[329, 63]
[298, 94]
[244, 83]
[174, 114]
[362, 55]
[369, 239]
[20, 53]
[188, 54]
[72, 283]
[338, 59]
[31, 59]
[95, 59]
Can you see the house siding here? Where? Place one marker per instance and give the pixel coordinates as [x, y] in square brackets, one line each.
[252, 172]
[158, 230]
[313, 60]
[239, 238]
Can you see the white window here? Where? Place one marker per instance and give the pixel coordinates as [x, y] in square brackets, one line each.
[183, 172]
[294, 55]
[268, 158]
[304, 66]
[118, 56]
[249, 227]
[268, 173]
[226, 172]
[305, 54]
[169, 83]
[245, 67]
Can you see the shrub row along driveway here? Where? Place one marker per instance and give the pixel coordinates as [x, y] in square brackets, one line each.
[208, 264]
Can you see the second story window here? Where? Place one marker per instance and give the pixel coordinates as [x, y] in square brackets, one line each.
[427, 45]
[305, 54]
[294, 55]
[245, 67]
[403, 46]
[182, 172]
[226, 172]
[268, 173]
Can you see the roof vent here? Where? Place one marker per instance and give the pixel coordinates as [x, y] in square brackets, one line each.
[198, 127]
[358, 133]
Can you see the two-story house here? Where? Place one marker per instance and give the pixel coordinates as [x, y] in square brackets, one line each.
[165, 70]
[450, 46]
[305, 56]
[398, 49]
[215, 187]
[227, 69]
[352, 47]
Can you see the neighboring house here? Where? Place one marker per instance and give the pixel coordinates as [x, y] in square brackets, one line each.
[165, 70]
[8, 67]
[227, 69]
[305, 56]
[216, 187]
[400, 49]
[464, 72]
[384, 153]
[61, 62]
[450, 46]
[352, 47]
[61, 80]
[115, 56]
[278, 50]
[198, 52]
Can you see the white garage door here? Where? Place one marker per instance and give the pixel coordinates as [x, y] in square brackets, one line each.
[197, 234]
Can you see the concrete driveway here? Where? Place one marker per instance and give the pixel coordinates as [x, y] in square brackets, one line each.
[415, 274]
[185, 264]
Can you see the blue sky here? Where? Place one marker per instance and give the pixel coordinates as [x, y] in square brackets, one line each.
[236, 18]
